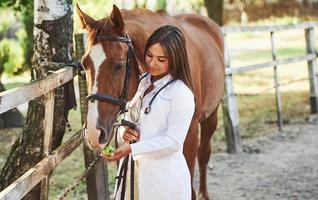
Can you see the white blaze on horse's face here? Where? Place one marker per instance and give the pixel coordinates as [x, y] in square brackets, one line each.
[97, 56]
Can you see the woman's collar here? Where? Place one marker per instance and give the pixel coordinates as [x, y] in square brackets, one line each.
[160, 81]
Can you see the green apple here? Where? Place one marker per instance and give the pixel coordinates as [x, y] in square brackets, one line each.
[108, 150]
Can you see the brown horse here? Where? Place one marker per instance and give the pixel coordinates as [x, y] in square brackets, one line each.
[104, 62]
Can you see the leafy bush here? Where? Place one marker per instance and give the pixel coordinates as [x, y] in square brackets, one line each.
[11, 56]
[13, 42]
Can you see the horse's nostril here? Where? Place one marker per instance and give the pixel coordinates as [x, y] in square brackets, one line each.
[102, 137]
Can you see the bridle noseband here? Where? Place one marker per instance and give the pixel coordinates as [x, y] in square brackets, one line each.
[122, 100]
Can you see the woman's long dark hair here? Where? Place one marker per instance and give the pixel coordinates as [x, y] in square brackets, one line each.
[173, 42]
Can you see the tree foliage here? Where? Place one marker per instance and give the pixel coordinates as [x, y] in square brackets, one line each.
[95, 8]
[18, 5]
[24, 10]
[161, 5]
[4, 55]
[10, 60]
[196, 5]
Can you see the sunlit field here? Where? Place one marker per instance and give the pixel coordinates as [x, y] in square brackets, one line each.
[255, 98]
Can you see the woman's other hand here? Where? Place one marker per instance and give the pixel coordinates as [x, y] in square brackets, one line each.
[119, 153]
[130, 135]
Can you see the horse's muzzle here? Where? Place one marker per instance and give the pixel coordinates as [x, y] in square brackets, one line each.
[94, 145]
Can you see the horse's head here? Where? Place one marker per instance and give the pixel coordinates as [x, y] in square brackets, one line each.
[107, 73]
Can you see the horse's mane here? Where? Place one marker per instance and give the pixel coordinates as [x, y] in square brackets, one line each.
[131, 14]
[99, 28]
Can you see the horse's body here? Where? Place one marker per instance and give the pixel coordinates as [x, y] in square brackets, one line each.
[205, 52]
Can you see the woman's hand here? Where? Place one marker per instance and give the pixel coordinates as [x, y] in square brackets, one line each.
[119, 153]
[130, 135]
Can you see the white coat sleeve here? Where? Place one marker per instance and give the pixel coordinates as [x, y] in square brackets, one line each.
[122, 129]
[179, 119]
[120, 133]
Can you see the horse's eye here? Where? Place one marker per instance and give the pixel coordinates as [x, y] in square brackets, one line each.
[119, 65]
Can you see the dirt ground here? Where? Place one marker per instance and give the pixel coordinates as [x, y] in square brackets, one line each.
[277, 166]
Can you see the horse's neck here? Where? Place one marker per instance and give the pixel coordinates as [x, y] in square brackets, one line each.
[139, 37]
[140, 27]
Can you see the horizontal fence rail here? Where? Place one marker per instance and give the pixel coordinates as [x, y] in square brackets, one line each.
[14, 97]
[230, 110]
[247, 68]
[40, 172]
[241, 29]
[33, 176]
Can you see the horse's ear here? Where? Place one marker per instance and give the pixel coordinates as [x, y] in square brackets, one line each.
[86, 21]
[117, 19]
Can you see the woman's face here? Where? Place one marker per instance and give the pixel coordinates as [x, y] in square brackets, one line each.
[156, 61]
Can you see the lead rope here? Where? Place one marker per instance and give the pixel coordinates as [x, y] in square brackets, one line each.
[132, 177]
[122, 176]
[78, 180]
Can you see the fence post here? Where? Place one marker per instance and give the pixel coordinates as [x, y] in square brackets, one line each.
[230, 112]
[312, 69]
[277, 92]
[47, 141]
[97, 178]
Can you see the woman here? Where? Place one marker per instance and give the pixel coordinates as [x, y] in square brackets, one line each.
[162, 110]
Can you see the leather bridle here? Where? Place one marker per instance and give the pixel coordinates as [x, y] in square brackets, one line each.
[121, 101]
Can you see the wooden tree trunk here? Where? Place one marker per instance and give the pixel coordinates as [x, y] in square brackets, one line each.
[52, 43]
[215, 10]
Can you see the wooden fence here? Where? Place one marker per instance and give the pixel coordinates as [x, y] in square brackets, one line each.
[41, 171]
[97, 184]
[231, 117]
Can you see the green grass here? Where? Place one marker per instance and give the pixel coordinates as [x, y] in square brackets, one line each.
[66, 173]
[14, 85]
[258, 115]
[290, 52]
[255, 47]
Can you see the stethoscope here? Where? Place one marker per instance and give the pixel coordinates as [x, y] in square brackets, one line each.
[148, 109]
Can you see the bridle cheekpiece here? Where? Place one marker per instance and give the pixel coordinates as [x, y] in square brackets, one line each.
[121, 101]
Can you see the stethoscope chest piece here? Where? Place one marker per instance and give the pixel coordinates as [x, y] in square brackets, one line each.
[147, 110]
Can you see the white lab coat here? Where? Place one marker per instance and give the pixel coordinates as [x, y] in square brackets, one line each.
[162, 169]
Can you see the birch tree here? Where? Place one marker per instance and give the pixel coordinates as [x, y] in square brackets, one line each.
[53, 28]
